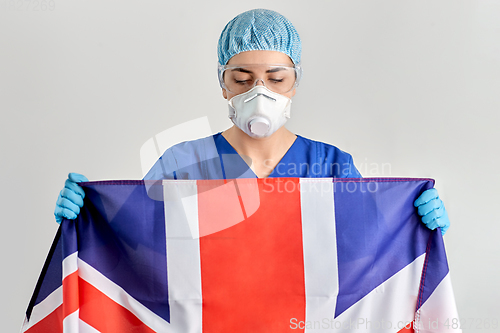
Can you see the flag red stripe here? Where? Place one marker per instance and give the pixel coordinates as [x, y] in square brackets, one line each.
[254, 270]
[51, 323]
[70, 294]
[105, 315]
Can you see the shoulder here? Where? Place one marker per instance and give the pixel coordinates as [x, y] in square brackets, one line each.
[186, 160]
[334, 161]
[325, 149]
[193, 146]
[193, 151]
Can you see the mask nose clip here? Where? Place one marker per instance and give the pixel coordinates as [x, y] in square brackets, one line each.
[263, 83]
[257, 95]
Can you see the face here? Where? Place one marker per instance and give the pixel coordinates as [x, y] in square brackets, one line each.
[253, 72]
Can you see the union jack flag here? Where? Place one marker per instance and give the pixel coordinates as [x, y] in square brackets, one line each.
[246, 255]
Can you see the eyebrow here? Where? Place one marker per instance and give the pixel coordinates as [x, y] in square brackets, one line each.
[274, 70]
[243, 70]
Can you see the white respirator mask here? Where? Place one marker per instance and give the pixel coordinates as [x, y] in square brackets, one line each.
[259, 112]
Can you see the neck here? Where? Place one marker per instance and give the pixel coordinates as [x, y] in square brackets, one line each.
[261, 154]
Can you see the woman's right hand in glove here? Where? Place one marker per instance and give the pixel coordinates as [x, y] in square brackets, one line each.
[70, 198]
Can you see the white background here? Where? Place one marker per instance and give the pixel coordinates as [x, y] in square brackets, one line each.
[413, 84]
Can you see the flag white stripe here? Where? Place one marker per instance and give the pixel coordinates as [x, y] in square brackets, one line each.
[72, 322]
[44, 308]
[320, 250]
[400, 291]
[55, 299]
[86, 328]
[70, 264]
[439, 310]
[120, 296]
[183, 255]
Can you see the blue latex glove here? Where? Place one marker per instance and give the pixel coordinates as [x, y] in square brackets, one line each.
[70, 198]
[432, 210]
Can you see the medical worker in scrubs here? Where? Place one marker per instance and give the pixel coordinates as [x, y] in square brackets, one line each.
[259, 71]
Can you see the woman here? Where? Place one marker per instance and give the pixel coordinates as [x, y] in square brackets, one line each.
[259, 71]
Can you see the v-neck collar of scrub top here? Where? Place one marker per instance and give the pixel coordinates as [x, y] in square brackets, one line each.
[224, 149]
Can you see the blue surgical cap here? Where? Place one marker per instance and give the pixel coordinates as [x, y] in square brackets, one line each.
[259, 29]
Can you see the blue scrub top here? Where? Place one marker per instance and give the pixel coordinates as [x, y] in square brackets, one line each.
[214, 158]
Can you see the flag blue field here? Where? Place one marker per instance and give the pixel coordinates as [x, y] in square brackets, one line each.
[246, 255]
